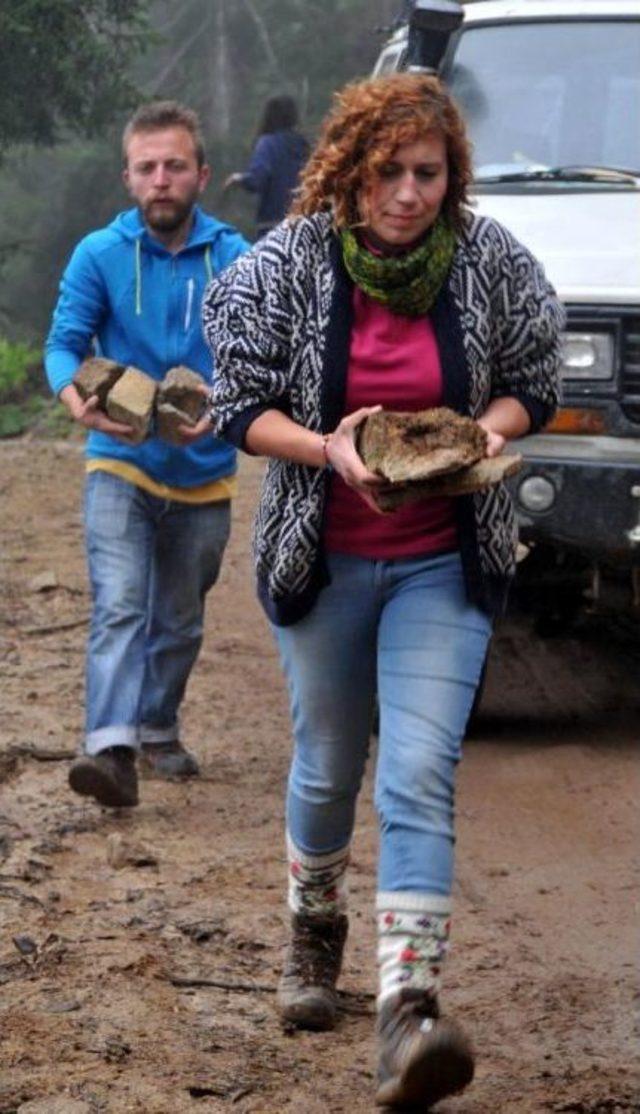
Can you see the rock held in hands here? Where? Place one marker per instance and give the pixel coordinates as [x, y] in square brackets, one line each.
[429, 453]
[408, 447]
[130, 396]
[475, 477]
[96, 376]
[132, 401]
[180, 401]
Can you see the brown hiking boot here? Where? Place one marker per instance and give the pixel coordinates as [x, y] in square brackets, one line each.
[423, 1057]
[170, 760]
[109, 776]
[307, 989]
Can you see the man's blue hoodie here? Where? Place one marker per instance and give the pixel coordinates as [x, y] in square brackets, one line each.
[125, 297]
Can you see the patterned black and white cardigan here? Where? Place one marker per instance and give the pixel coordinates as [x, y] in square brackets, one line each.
[278, 323]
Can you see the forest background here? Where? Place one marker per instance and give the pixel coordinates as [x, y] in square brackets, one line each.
[71, 71]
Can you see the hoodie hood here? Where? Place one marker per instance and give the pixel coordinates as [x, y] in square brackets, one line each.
[205, 230]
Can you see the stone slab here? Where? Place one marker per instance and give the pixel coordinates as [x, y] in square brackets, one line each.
[168, 421]
[96, 376]
[409, 447]
[132, 401]
[476, 477]
[180, 401]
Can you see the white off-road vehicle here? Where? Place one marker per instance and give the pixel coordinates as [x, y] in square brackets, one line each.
[550, 90]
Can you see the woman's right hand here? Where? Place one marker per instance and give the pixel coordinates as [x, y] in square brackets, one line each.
[341, 454]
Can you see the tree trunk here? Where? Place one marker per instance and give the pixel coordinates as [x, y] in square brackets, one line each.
[220, 108]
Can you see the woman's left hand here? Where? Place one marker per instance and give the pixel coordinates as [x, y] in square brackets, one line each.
[504, 419]
[495, 441]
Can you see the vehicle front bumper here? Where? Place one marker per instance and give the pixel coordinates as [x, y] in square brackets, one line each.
[596, 502]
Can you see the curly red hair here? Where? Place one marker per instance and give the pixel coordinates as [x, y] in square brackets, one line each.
[368, 121]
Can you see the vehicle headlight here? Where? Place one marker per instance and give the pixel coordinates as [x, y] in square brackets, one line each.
[536, 494]
[587, 356]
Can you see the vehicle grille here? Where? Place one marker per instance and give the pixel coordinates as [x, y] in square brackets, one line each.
[630, 371]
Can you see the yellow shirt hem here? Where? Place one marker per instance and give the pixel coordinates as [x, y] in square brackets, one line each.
[213, 492]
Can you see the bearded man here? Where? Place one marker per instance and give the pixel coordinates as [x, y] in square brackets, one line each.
[157, 515]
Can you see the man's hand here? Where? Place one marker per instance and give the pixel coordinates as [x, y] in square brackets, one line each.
[191, 433]
[88, 415]
[204, 424]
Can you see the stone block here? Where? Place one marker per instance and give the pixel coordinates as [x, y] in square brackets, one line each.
[132, 401]
[428, 453]
[180, 401]
[475, 477]
[96, 376]
[410, 447]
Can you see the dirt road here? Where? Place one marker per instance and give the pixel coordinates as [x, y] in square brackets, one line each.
[139, 950]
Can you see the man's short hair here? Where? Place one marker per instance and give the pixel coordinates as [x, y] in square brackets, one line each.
[164, 114]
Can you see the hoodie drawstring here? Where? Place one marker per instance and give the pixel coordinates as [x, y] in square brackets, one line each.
[138, 279]
[207, 266]
[207, 262]
[187, 315]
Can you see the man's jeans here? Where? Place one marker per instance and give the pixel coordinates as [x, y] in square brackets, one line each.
[151, 562]
[406, 629]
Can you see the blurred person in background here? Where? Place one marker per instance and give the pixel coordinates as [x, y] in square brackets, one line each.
[279, 153]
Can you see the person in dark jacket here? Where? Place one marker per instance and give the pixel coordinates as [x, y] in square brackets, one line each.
[278, 156]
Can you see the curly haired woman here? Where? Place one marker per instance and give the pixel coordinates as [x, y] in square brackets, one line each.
[380, 289]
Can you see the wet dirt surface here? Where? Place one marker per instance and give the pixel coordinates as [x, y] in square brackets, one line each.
[139, 949]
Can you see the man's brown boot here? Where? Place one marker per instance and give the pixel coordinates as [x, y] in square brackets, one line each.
[423, 1056]
[307, 989]
[110, 777]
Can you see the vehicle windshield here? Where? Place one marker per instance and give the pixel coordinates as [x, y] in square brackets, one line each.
[550, 95]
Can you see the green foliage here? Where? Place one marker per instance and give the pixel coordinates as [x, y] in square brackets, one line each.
[45, 417]
[14, 419]
[64, 65]
[21, 385]
[16, 360]
[222, 57]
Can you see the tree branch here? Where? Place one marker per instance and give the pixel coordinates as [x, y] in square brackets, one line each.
[263, 34]
[183, 49]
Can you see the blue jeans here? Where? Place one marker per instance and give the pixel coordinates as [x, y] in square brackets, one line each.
[406, 630]
[151, 562]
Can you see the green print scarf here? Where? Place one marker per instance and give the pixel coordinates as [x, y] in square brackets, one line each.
[408, 284]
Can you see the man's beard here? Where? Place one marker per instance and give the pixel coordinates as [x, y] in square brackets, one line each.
[167, 215]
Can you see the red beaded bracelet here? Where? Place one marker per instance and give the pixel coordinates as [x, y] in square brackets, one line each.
[326, 437]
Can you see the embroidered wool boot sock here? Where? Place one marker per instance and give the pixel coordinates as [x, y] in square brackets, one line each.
[317, 899]
[422, 1056]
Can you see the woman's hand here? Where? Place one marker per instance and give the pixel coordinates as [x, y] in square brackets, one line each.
[495, 441]
[341, 454]
[504, 419]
